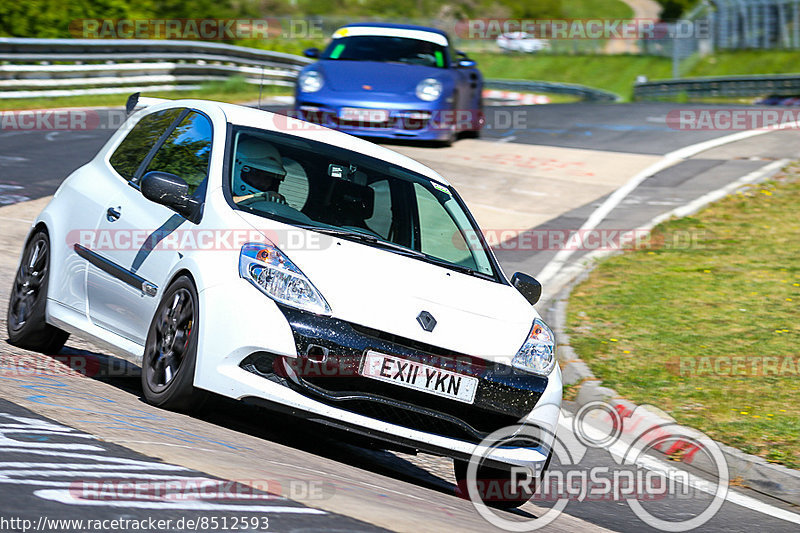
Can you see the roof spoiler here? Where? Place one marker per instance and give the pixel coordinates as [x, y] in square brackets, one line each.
[135, 101]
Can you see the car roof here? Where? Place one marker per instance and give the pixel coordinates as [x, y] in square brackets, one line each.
[256, 118]
[395, 26]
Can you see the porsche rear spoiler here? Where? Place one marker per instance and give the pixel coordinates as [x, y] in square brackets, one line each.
[135, 101]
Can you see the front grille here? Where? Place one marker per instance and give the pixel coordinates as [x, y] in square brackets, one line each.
[386, 402]
[409, 417]
[361, 123]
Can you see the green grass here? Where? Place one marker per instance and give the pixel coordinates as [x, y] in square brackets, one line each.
[610, 73]
[725, 282]
[594, 9]
[747, 62]
[234, 90]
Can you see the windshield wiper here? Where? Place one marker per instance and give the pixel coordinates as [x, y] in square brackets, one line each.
[377, 241]
[456, 267]
[366, 238]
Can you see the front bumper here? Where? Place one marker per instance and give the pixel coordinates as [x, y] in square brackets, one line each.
[406, 120]
[239, 366]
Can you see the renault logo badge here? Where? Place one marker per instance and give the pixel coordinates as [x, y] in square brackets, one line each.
[426, 320]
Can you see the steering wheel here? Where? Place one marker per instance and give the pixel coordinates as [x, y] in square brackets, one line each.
[265, 196]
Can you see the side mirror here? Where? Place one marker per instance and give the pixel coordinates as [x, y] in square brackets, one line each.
[467, 63]
[170, 190]
[313, 53]
[528, 286]
[130, 105]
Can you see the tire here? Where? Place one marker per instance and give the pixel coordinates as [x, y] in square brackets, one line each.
[170, 352]
[452, 137]
[26, 324]
[501, 478]
[476, 133]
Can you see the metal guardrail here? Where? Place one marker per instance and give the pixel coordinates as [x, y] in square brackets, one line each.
[63, 67]
[585, 93]
[733, 86]
[23, 49]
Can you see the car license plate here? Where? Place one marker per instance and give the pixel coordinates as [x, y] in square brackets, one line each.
[357, 114]
[417, 376]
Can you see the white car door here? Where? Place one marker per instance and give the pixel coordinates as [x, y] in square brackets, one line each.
[143, 238]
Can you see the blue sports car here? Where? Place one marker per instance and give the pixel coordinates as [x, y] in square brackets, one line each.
[391, 80]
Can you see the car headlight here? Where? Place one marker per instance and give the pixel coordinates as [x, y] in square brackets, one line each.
[538, 354]
[274, 274]
[310, 81]
[429, 89]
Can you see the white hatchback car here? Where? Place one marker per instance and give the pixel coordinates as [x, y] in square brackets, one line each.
[266, 259]
[520, 41]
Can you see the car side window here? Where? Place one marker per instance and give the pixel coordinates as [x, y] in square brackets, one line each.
[137, 144]
[440, 236]
[186, 151]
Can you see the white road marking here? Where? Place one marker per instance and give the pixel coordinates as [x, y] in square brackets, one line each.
[146, 477]
[139, 477]
[619, 450]
[7, 431]
[499, 209]
[4, 443]
[91, 457]
[552, 268]
[66, 497]
[529, 193]
[51, 474]
[566, 274]
[82, 467]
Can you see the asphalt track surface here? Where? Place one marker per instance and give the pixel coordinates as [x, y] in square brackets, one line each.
[32, 164]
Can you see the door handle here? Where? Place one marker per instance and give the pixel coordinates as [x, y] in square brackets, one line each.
[113, 214]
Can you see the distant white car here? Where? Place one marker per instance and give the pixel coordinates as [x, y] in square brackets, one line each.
[520, 41]
[266, 259]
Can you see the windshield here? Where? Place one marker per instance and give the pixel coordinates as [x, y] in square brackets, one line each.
[330, 189]
[387, 49]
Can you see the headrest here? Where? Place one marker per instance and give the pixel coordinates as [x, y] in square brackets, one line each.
[351, 203]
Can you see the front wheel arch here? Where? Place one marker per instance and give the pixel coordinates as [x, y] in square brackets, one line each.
[175, 391]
